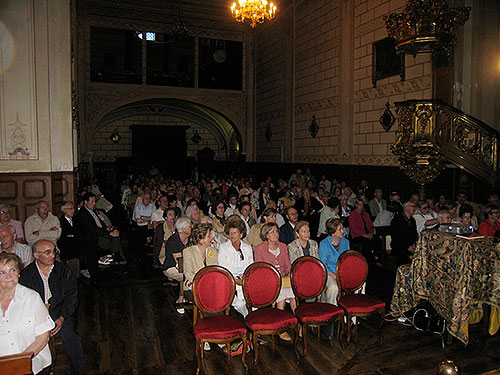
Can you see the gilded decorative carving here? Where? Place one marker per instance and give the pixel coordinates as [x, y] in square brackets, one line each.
[431, 131]
[416, 146]
[393, 89]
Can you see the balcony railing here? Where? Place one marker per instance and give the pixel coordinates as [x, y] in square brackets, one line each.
[431, 132]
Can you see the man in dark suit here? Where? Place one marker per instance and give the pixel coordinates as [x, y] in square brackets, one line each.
[404, 234]
[69, 243]
[90, 228]
[286, 230]
[57, 287]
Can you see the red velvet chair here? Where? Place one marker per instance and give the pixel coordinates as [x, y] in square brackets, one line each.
[308, 281]
[352, 269]
[17, 364]
[213, 292]
[261, 287]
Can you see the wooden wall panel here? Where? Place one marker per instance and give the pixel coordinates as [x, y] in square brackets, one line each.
[22, 190]
[8, 189]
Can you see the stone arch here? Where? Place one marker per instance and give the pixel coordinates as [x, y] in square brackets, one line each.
[222, 132]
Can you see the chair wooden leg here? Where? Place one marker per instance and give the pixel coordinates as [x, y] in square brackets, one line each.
[255, 347]
[228, 349]
[304, 339]
[382, 315]
[243, 355]
[340, 331]
[198, 355]
[296, 339]
[348, 327]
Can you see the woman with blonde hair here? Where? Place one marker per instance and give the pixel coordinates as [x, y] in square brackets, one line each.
[302, 245]
[274, 252]
[197, 256]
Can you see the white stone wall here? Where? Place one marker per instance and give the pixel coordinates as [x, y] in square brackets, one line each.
[105, 150]
[35, 86]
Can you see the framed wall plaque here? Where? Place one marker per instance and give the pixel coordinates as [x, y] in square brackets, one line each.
[386, 61]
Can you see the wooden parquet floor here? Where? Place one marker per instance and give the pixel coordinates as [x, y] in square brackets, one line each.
[131, 327]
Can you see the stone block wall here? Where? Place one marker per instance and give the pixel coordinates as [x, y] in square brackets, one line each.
[105, 150]
[270, 91]
[310, 39]
[316, 80]
[371, 144]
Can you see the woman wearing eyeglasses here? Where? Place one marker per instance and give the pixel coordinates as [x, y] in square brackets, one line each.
[236, 256]
[25, 323]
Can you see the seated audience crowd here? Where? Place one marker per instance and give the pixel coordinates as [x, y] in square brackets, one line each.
[187, 225]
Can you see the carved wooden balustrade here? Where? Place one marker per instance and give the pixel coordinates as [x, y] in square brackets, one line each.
[431, 132]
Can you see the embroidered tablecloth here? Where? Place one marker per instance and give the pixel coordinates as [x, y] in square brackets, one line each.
[455, 275]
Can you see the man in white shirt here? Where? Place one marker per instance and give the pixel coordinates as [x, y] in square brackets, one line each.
[157, 215]
[425, 217]
[249, 221]
[232, 206]
[9, 244]
[142, 217]
[42, 225]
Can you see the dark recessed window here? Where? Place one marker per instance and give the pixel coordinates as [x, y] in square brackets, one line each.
[170, 60]
[386, 62]
[220, 64]
[115, 55]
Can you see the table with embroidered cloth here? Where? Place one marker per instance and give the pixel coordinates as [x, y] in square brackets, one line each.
[456, 275]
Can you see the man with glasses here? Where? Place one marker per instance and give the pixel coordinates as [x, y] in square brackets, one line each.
[173, 251]
[6, 219]
[425, 217]
[57, 287]
[69, 243]
[9, 245]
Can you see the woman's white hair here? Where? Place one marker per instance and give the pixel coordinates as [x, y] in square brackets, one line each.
[182, 223]
[190, 209]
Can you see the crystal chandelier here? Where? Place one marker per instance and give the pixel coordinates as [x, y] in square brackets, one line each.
[255, 10]
[426, 26]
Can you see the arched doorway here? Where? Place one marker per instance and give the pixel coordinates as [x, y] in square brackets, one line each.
[168, 133]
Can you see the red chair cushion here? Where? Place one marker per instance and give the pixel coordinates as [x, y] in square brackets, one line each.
[262, 285]
[352, 272]
[213, 291]
[360, 303]
[317, 312]
[269, 319]
[308, 279]
[218, 327]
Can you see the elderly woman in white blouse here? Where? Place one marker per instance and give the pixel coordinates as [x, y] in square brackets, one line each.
[25, 323]
[236, 256]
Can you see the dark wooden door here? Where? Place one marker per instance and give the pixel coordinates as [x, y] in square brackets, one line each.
[162, 146]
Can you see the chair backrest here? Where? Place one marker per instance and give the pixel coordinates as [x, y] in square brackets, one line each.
[213, 289]
[308, 277]
[261, 284]
[17, 364]
[352, 269]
